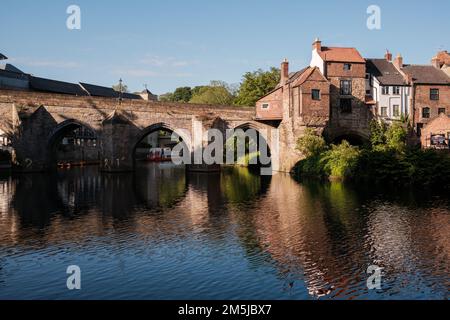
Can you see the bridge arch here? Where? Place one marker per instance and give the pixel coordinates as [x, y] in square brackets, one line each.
[89, 136]
[185, 136]
[354, 137]
[263, 135]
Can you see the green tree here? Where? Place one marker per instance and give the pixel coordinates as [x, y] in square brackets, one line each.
[378, 133]
[166, 97]
[341, 161]
[182, 94]
[255, 85]
[396, 136]
[216, 93]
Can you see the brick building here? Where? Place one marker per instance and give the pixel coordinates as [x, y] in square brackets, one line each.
[430, 92]
[328, 95]
[345, 68]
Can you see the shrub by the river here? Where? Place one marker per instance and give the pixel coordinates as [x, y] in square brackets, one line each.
[341, 161]
[388, 159]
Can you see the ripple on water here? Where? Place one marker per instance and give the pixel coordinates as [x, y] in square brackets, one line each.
[166, 235]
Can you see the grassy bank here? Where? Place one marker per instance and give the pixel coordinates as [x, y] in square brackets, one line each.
[385, 159]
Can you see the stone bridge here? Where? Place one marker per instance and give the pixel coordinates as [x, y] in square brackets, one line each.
[36, 123]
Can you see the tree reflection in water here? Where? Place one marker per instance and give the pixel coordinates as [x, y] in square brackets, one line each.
[228, 235]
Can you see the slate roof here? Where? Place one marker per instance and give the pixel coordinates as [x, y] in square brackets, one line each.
[47, 85]
[424, 74]
[336, 54]
[133, 96]
[14, 75]
[10, 67]
[385, 72]
[99, 91]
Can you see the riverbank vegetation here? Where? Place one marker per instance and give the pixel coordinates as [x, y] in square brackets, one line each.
[386, 158]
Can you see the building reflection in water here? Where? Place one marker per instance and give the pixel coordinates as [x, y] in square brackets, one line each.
[316, 238]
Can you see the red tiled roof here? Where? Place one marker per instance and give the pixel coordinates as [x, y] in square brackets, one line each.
[335, 54]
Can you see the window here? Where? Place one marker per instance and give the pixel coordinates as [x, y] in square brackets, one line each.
[442, 111]
[346, 105]
[383, 111]
[384, 90]
[425, 112]
[419, 129]
[434, 94]
[346, 87]
[396, 110]
[315, 94]
[347, 66]
[396, 90]
[367, 76]
[265, 106]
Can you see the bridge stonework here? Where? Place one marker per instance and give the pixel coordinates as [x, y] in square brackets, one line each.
[36, 122]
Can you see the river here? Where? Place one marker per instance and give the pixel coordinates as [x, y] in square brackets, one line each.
[162, 233]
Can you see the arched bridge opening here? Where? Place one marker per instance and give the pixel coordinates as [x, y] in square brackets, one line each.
[73, 143]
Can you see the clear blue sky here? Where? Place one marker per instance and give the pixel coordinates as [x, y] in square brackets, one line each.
[173, 43]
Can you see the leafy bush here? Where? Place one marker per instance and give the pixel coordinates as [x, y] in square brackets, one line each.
[341, 161]
[311, 144]
[387, 160]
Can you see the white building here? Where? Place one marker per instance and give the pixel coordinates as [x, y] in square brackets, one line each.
[388, 89]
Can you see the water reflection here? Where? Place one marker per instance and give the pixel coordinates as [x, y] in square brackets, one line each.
[162, 233]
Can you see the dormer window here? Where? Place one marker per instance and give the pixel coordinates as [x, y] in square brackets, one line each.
[347, 66]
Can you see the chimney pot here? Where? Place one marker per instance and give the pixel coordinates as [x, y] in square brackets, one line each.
[388, 56]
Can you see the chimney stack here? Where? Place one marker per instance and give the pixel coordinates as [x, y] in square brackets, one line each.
[388, 56]
[284, 71]
[317, 45]
[398, 62]
[436, 63]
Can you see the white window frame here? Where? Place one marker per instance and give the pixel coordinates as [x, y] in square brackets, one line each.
[396, 90]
